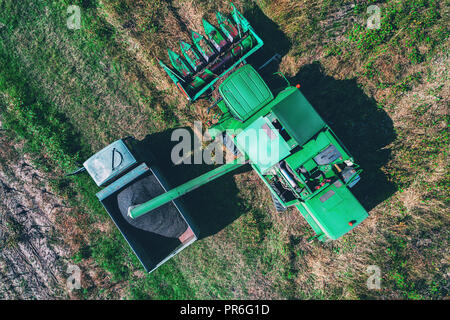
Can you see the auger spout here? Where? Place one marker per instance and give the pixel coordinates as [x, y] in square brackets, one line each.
[139, 210]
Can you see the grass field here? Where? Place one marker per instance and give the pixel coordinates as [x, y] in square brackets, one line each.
[64, 94]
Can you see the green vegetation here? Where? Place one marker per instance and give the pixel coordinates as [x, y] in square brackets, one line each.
[66, 93]
[15, 233]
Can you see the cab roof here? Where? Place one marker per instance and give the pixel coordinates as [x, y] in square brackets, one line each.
[297, 115]
[245, 92]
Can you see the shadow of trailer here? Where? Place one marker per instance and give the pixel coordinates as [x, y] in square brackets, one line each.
[157, 236]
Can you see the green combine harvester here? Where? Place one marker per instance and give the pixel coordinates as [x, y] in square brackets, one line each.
[287, 143]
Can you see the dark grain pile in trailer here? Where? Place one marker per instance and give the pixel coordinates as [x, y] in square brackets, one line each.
[169, 221]
[165, 220]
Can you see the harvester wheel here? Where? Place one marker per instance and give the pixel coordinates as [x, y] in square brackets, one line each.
[278, 206]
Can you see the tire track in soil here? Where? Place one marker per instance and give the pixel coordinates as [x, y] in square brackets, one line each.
[32, 264]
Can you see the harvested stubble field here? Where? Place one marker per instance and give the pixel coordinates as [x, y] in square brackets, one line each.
[64, 94]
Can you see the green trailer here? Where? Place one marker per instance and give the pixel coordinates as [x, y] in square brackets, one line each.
[128, 176]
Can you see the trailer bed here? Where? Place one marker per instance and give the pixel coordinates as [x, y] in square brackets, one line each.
[152, 249]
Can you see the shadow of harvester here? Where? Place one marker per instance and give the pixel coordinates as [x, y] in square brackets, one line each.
[275, 40]
[364, 128]
[212, 206]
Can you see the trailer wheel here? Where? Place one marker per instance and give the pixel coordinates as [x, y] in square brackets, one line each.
[278, 206]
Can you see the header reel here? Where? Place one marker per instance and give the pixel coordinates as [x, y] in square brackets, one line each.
[211, 56]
